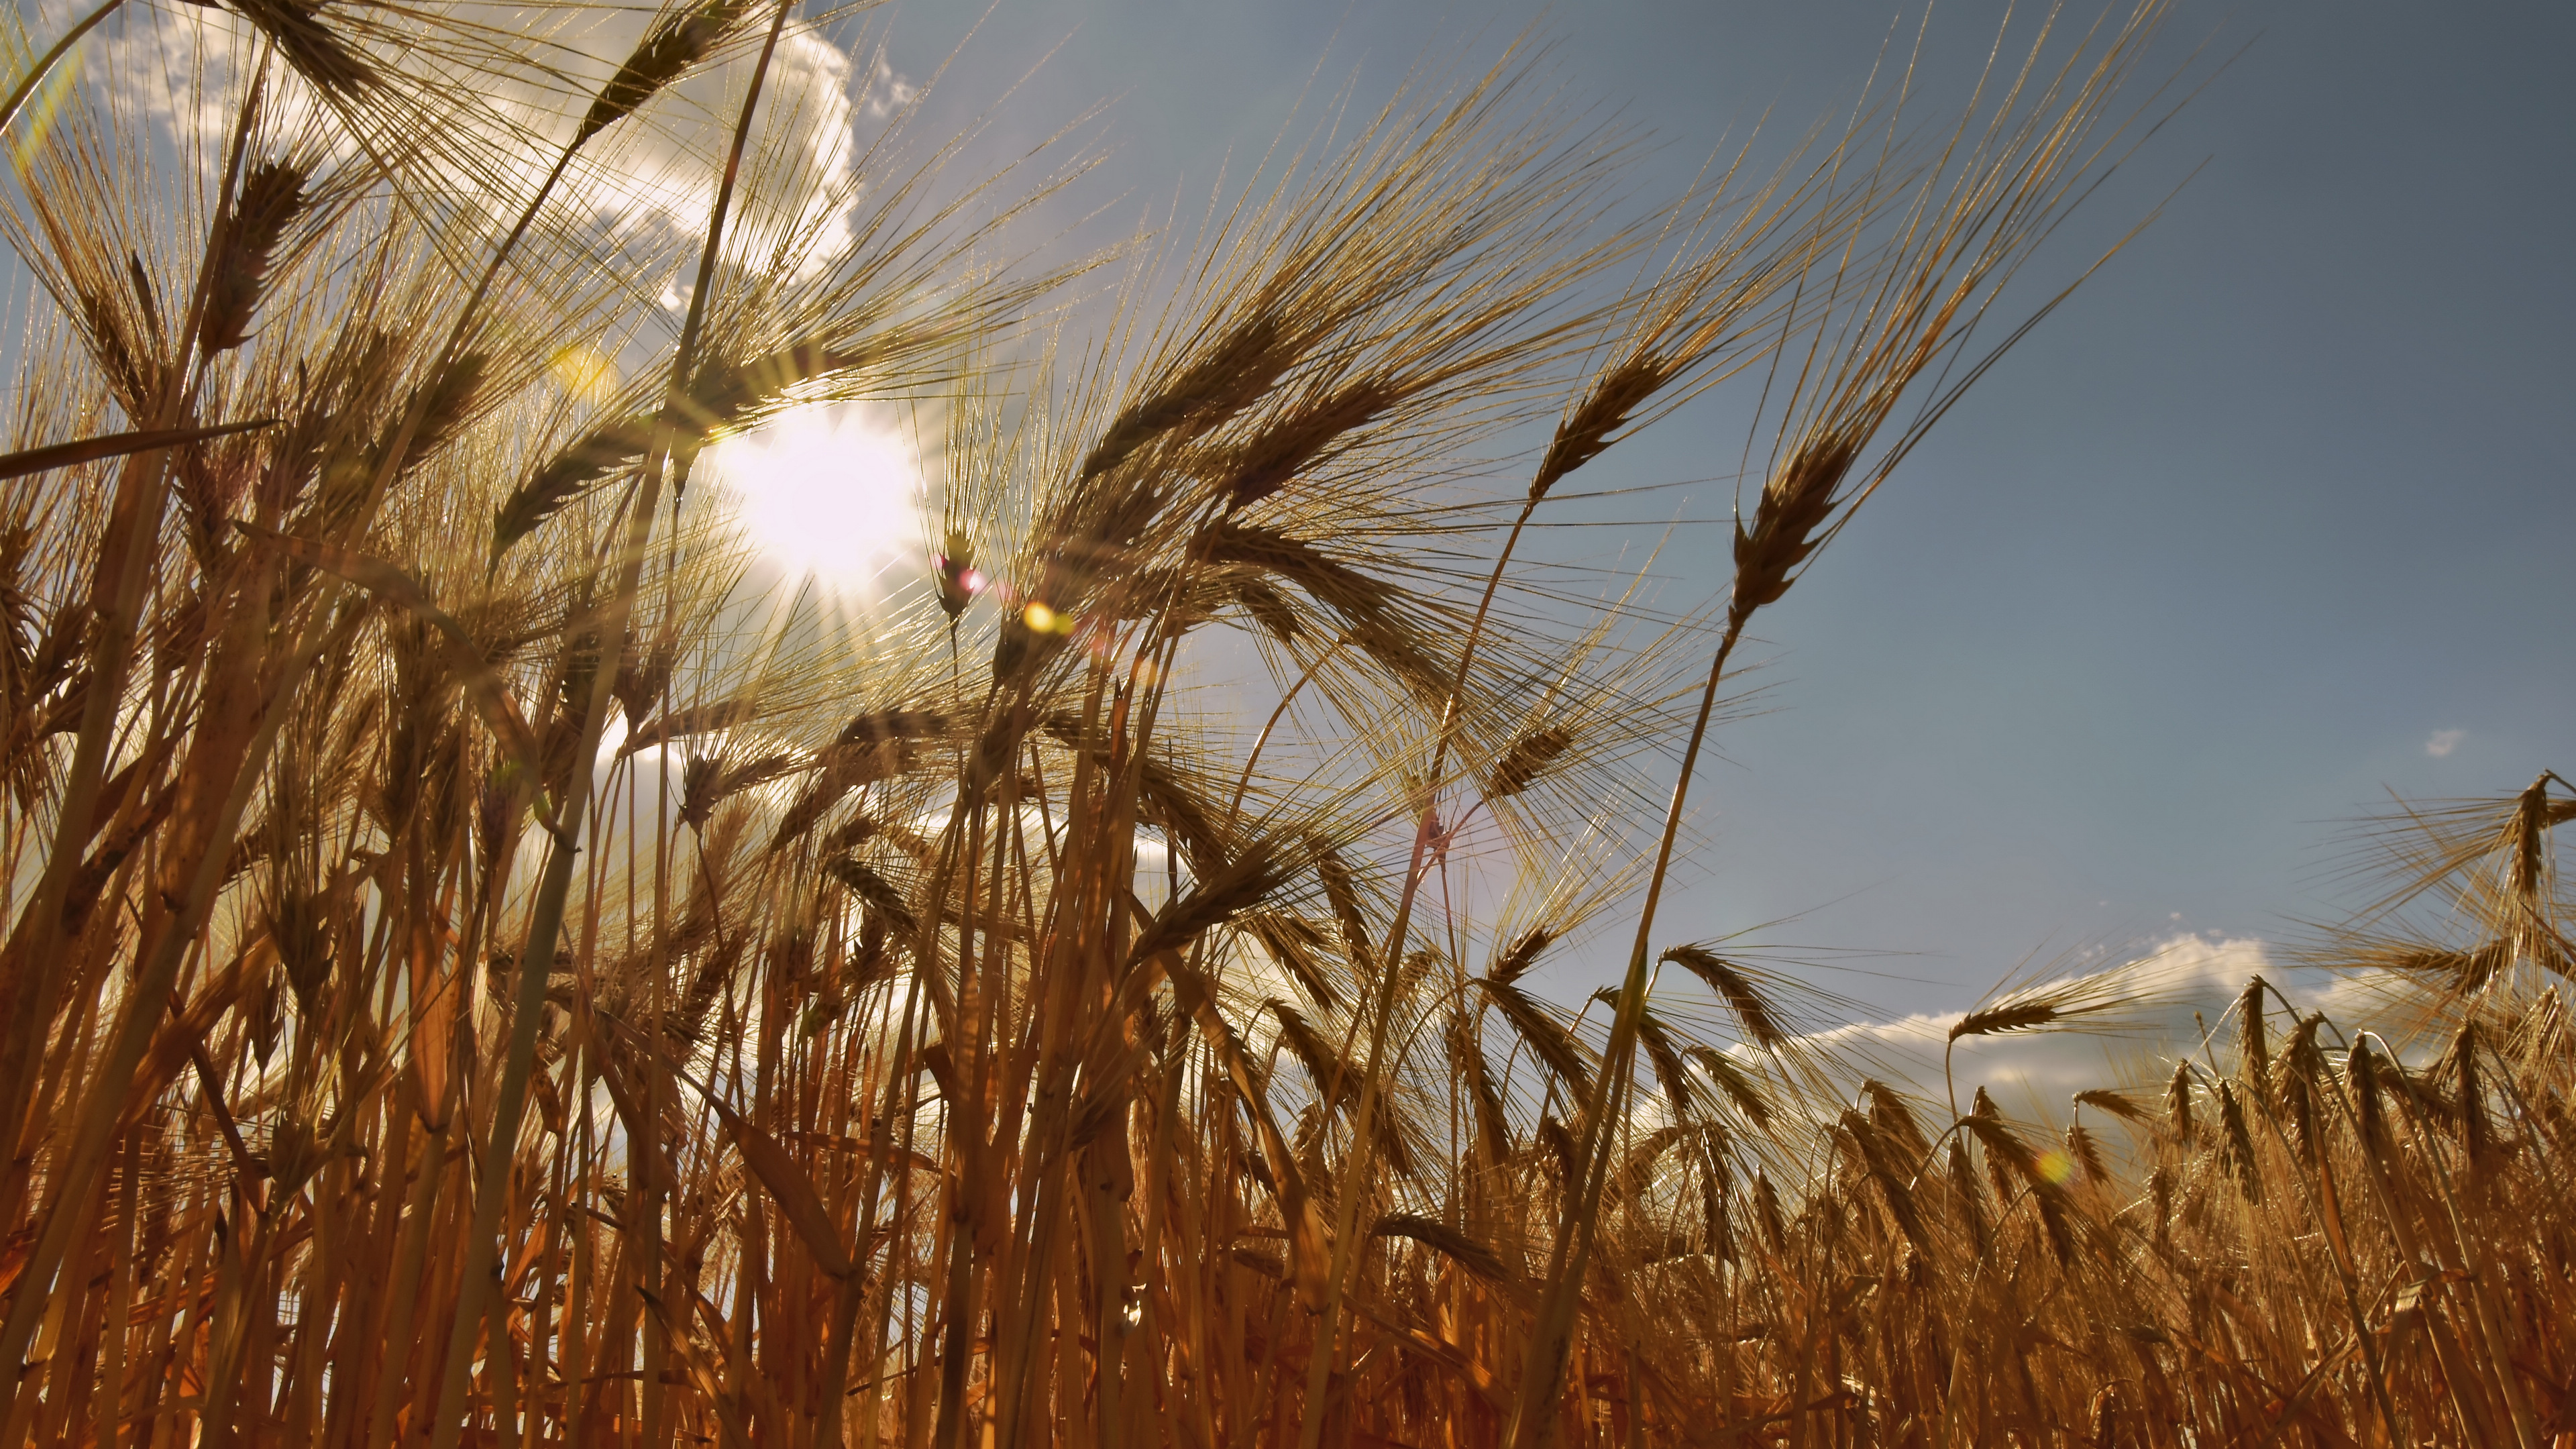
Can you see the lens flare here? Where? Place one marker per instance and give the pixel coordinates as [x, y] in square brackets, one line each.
[585, 373]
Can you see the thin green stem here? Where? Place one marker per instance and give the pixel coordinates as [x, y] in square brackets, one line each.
[45, 63]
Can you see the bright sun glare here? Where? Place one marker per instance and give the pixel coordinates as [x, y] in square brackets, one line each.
[828, 491]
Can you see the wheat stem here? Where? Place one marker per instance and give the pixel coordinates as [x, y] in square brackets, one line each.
[546, 921]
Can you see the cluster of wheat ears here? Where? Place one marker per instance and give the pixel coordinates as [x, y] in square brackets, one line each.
[477, 967]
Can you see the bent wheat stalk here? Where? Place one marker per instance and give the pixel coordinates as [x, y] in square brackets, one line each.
[1953, 246]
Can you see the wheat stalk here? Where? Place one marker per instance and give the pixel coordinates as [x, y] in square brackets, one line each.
[912, 1045]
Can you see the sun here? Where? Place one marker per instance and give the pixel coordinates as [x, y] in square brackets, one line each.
[827, 492]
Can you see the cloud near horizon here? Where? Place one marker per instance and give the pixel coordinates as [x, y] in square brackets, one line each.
[2034, 1074]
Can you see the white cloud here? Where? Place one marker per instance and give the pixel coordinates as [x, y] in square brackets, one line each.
[2036, 1073]
[888, 90]
[2443, 742]
[636, 177]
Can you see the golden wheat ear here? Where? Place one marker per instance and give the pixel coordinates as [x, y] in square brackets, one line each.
[2117, 1104]
[1735, 986]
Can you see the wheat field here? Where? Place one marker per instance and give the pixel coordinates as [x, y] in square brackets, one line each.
[484, 966]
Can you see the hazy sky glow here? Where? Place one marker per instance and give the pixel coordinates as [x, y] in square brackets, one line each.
[2271, 519]
[828, 492]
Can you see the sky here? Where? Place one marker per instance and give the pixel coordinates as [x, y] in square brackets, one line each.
[2268, 523]
[2271, 520]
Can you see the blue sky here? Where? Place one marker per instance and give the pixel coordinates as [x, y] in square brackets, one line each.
[2272, 519]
